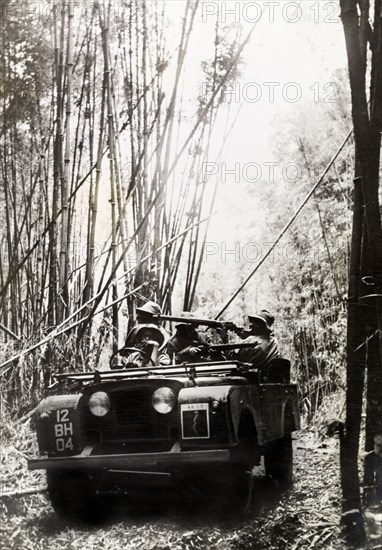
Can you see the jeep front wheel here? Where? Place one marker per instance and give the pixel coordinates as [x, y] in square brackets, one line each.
[240, 481]
[72, 497]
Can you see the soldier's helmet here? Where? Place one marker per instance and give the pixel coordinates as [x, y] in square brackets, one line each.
[264, 317]
[186, 315]
[148, 333]
[151, 308]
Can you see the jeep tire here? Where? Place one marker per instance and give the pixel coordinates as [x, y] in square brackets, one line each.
[72, 497]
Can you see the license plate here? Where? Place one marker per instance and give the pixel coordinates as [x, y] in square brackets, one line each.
[63, 431]
[195, 421]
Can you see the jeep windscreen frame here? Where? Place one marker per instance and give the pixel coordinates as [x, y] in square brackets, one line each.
[190, 369]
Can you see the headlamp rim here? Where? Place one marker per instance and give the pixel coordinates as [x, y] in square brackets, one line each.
[106, 403]
[171, 404]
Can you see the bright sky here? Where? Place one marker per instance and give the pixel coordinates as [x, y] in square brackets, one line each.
[294, 50]
[286, 64]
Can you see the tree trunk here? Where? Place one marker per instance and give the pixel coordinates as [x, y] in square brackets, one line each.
[367, 142]
[349, 440]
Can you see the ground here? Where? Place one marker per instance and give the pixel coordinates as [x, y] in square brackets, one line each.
[304, 517]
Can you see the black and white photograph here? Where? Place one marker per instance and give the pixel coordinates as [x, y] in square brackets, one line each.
[191, 275]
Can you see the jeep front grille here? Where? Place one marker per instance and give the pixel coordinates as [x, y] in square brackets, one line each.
[135, 416]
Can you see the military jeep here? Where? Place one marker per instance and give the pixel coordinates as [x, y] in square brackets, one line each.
[203, 426]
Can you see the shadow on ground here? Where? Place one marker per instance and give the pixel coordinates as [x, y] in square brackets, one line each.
[182, 510]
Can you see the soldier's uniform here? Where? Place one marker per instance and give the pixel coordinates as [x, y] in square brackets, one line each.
[264, 346]
[145, 332]
[187, 344]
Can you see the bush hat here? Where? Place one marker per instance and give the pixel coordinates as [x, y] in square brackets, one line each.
[140, 333]
[149, 332]
[264, 316]
[152, 308]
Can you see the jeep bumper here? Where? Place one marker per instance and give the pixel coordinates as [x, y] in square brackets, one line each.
[135, 461]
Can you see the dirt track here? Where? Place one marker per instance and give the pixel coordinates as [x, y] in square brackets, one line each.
[306, 517]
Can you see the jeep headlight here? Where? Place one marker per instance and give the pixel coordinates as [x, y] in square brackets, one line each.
[163, 400]
[99, 403]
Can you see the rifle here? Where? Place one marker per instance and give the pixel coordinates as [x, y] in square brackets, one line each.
[221, 326]
[212, 323]
[231, 346]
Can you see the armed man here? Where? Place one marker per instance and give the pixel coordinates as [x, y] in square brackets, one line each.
[148, 314]
[148, 339]
[263, 346]
[188, 344]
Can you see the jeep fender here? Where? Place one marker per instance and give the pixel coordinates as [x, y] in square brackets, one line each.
[236, 400]
[244, 402]
[279, 410]
[290, 416]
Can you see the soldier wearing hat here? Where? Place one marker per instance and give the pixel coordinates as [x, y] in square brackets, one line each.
[187, 343]
[148, 335]
[150, 312]
[264, 347]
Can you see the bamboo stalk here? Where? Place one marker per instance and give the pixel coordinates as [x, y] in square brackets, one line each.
[93, 201]
[111, 145]
[24, 492]
[56, 173]
[63, 303]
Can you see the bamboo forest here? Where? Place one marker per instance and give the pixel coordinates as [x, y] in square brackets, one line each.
[191, 274]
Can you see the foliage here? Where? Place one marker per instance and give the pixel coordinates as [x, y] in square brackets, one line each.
[102, 196]
[311, 284]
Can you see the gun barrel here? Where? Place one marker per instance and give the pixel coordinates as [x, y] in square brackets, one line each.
[192, 321]
[228, 347]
